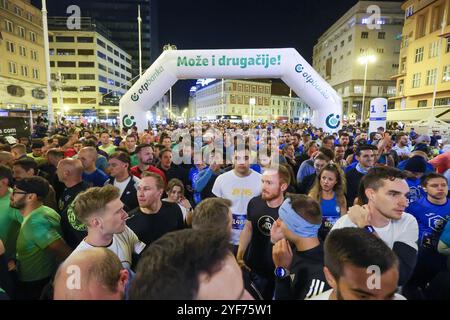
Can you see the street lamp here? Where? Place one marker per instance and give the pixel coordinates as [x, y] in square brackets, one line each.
[107, 113]
[365, 61]
[252, 102]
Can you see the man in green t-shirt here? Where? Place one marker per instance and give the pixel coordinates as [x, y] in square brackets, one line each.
[36, 153]
[10, 218]
[40, 247]
[107, 145]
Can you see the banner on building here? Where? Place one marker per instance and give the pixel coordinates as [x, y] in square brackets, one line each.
[14, 126]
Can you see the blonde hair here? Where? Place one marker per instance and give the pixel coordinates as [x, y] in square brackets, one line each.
[94, 200]
[339, 188]
[160, 184]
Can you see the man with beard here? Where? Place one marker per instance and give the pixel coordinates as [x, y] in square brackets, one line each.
[239, 185]
[145, 162]
[346, 267]
[254, 243]
[386, 194]
[154, 218]
[40, 247]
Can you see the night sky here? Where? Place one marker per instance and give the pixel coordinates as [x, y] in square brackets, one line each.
[233, 24]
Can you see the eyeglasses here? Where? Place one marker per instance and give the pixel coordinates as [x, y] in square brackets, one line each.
[19, 192]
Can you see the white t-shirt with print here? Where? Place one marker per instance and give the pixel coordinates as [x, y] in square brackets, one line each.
[404, 230]
[239, 190]
[122, 185]
[404, 151]
[326, 296]
[123, 245]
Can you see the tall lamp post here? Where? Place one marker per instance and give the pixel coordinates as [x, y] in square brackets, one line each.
[252, 102]
[365, 59]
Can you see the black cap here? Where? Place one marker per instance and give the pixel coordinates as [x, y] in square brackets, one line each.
[416, 164]
[37, 185]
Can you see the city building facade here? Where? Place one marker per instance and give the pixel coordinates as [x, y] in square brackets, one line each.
[22, 63]
[368, 35]
[424, 62]
[244, 100]
[89, 72]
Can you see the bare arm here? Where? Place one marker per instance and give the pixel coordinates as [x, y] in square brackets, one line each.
[244, 240]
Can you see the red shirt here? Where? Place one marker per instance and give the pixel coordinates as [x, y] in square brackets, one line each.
[441, 162]
[69, 153]
[135, 171]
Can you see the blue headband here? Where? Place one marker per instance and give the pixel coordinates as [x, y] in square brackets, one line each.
[295, 222]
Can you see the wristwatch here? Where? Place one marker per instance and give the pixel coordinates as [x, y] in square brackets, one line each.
[281, 273]
[369, 229]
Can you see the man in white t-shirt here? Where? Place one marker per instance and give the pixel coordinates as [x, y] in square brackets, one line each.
[239, 186]
[120, 164]
[366, 271]
[401, 146]
[385, 195]
[101, 210]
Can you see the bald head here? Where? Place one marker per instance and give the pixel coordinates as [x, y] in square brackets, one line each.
[6, 158]
[92, 274]
[88, 156]
[70, 170]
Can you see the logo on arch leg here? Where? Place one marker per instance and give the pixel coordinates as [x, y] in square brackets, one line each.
[134, 97]
[332, 121]
[128, 121]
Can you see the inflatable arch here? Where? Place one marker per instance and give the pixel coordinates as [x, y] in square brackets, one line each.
[286, 64]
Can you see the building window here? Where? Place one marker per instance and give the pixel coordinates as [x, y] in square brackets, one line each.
[101, 43]
[88, 100]
[422, 103]
[102, 78]
[64, 39]
[342, 43]
[391, 90]
[23, 51]
[86, 64]
[421, 26]
[350, 38]
[101, 55]
[29, 17]
[381, 35]
[431, 77]
[434, 49]
[9, 26]
[364, 35]
[109, 48]
[448, 45]
[65, 52]
[102, 67]
[12, 67]
[18, 11]
[416, 80]
[10, 47]
[110, 59]
[3, 4]
[380, 50]
[70, 89]
[35, 73]
[32, 36]
[357, 89]
[85, 52]
[116, 53]
[409, 11]
[395, 65]
[341, 57]
[349, 53]
[66, 64]
[419, 54]
[34, 55]
[70, 100]
[21, 32]
[52, 63]
[401, 85]
[85, 39]
[69, 76]
[446, 73]
[86, 76]
[442, 101]
[403, 65]
[87, 88]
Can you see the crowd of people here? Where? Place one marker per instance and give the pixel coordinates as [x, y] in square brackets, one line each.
[224, 211]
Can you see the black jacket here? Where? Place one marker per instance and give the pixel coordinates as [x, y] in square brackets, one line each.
[129, 195]
[307, 278]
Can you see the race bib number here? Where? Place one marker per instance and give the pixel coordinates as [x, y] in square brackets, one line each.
[238, 221]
